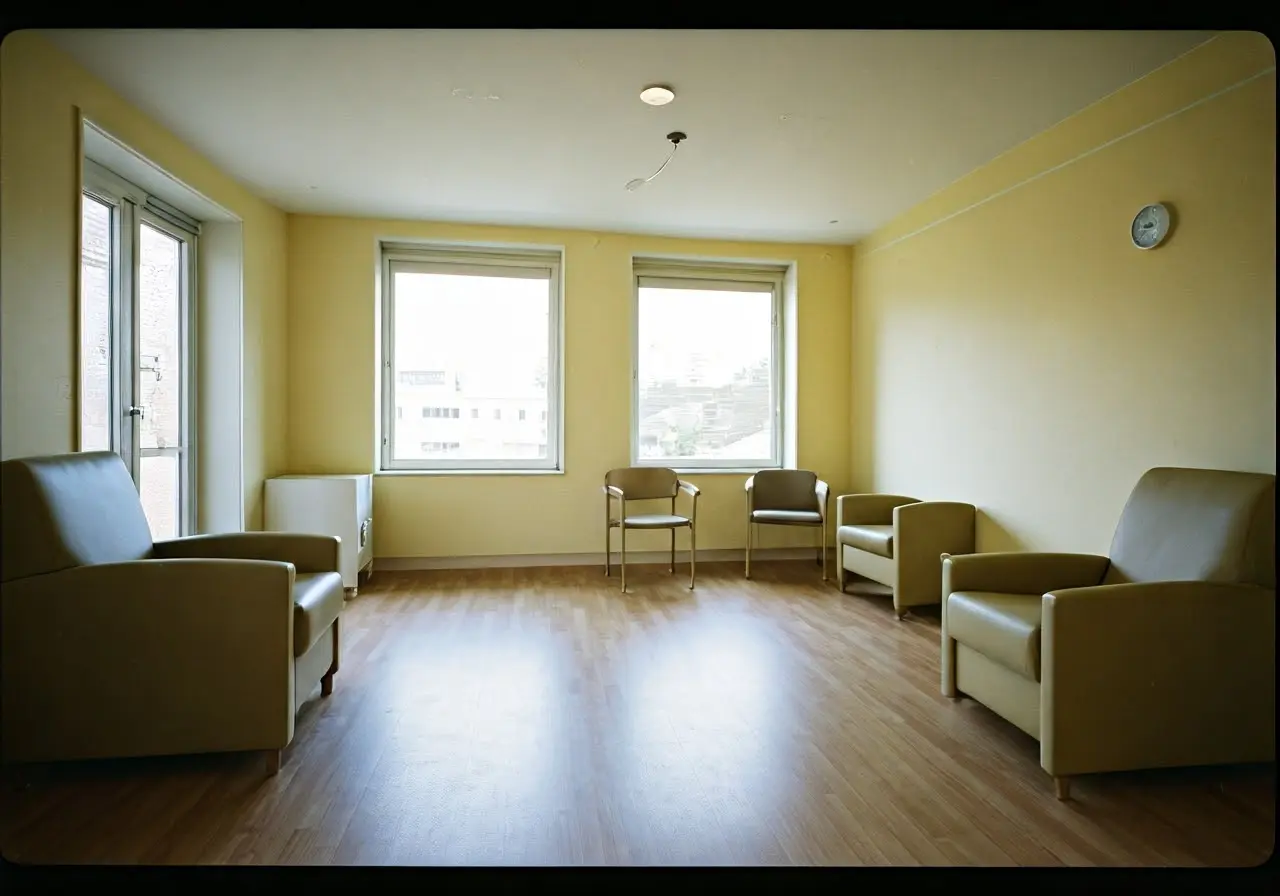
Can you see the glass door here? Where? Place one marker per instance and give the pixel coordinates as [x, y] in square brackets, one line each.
[137, 270]
[158, 408]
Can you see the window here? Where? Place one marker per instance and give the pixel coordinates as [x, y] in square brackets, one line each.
[138, 276]
[707, 366]
[479, 328]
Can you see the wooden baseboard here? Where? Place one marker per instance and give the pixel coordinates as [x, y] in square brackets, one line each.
[386, 564]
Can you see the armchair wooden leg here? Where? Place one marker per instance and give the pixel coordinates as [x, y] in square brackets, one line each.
[326, 680]
[622, 564]
[749, 530]
[273, 759]
[1062, 787]
[673, 551]
[607, 532]
[822, 550]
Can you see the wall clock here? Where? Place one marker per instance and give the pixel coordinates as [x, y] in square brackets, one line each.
[1150, 226]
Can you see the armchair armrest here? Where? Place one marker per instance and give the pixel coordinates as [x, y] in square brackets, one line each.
[308, 553]
[146, 658]
[868, 510]
[822, 492]
[1155, 674]
[612, 491]
[1019, 572]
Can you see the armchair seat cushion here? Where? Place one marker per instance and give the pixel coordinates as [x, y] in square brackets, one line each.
[787, 517]
[1005, 628]
[873, 539]
[656, 521]
[317, 601]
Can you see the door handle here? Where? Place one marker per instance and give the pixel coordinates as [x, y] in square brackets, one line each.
[136, 412]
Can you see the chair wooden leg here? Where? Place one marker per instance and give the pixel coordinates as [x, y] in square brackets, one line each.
[273, 759]
[673, 551]
[622, 564]
[607, 530]
[1062, 787]
[693, 557]
[750, 529]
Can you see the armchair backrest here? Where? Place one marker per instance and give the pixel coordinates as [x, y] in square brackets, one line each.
[784, 490]
[644, 483]
[69, 510]
[1202, 525]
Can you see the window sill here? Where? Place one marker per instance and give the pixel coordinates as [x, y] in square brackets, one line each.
[715, 471]
[466, 472]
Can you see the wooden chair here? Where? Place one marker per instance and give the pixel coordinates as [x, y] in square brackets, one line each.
[647, 484]
[787, 498]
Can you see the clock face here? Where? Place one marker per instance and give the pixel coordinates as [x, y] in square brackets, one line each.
[1150, 226]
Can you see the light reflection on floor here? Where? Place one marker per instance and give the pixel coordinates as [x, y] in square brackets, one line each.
[501, 741]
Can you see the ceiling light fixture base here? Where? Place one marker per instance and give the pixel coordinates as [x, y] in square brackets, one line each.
[657, 95]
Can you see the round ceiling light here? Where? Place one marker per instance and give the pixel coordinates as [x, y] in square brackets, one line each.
[657, 95]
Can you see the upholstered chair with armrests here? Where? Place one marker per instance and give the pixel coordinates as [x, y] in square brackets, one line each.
[897, 542]
[787, 498]
[114, 645]
[630, 484]
[1160, 655]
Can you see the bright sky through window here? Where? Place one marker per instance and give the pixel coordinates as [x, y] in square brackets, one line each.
[471, 358]
[705, 372]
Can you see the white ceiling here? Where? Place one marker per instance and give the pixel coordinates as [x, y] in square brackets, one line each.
[788, 130]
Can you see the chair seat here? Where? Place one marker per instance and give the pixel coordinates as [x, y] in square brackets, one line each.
[317, 601]
[787, 517]
[654, 521]
[1005, 628]
[873, 539]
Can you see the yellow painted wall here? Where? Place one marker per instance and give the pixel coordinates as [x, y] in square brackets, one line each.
[1022, 355]
[40, 90]
[333, 400]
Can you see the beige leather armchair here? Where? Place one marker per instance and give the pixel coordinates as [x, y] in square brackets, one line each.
[112, 645]
[787, 498]
[1161, 655]
[647, 484]
[898, 542]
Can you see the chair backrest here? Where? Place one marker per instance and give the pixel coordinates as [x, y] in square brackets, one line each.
[644, 483]
[69, 510]
[1205, 525]
[784, 490]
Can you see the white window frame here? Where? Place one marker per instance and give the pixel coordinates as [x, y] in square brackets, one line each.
[132, 206]
[485, 261]
[736, 277]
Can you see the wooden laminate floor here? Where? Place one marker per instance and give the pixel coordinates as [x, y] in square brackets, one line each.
[538, 716]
